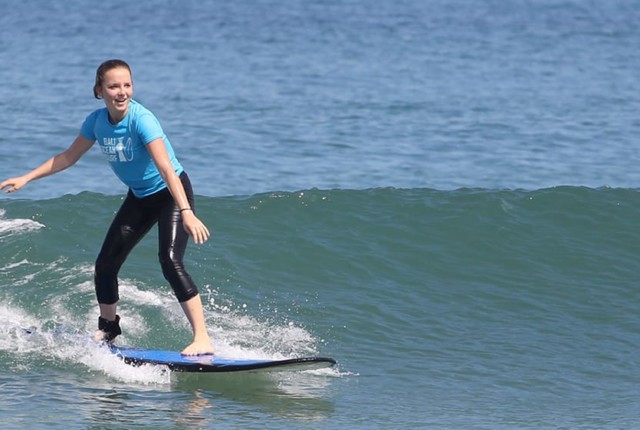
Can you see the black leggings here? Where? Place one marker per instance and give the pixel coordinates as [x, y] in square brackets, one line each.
[134, 219]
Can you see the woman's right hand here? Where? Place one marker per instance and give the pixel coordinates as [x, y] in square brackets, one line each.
[14, 184]
[196, 228]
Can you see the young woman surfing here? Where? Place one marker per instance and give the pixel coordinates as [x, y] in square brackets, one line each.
[160, 193]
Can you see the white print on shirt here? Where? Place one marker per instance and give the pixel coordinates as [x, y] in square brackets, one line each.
[116, 150]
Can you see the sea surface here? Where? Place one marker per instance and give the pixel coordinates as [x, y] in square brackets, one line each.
[442, 195]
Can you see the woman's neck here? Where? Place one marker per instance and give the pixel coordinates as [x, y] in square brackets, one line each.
[117, 117]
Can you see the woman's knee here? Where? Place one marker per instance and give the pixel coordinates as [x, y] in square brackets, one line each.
[171, 265]
[175, 273]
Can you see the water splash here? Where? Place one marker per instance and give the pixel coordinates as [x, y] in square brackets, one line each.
[10, 227]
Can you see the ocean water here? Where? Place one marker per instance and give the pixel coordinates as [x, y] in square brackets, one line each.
[441, 195]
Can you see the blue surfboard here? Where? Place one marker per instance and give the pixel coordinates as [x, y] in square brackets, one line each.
[214, 363]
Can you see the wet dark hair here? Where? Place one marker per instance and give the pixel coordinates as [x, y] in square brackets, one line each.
[104, 68]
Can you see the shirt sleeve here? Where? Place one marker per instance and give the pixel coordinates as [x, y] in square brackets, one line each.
[88, 127]
[149, 128]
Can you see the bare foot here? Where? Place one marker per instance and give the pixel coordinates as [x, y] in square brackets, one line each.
[202, 347]
[99, 336]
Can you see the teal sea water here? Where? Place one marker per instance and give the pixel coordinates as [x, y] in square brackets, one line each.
[445, 309]
[441, 195]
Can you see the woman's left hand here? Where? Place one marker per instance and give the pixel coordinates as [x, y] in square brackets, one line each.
[196, 228]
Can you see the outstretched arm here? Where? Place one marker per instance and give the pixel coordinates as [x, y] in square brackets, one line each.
[53, 165]
[196, 229]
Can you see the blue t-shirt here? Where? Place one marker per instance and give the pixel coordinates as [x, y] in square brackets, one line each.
[124, 145]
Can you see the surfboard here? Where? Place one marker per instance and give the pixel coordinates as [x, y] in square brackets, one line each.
[214, 363]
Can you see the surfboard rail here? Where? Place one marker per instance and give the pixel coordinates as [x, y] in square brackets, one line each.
[175, 361]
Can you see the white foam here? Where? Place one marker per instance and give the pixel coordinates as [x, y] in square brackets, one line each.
[11, 266]
[234, 332]
[12, 321]
[37, 269]
[243, 336]
[131, 292]
[32, 340]
[18, 225]
[99, 358]
[156, 298]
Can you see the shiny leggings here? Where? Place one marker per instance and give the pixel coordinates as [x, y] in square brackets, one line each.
[134, 219]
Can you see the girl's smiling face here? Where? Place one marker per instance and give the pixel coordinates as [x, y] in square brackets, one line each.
[116, 91]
